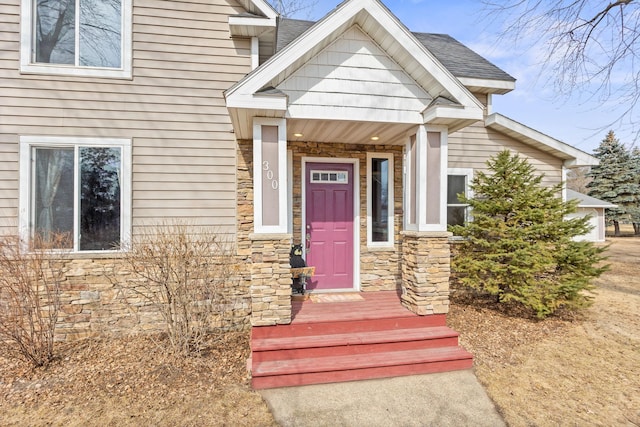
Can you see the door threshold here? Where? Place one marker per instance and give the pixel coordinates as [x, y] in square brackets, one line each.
[331, 291]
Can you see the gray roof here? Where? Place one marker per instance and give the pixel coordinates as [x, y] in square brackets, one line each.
[456, 57]
[588, 201]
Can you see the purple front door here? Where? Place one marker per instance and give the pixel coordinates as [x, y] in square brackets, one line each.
[329, 224]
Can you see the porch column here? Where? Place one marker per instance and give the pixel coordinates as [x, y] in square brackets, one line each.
[425, 245]
[426, 269]
[271, 242]
[270, 279]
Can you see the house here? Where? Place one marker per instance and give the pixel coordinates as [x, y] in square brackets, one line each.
[350, 135]
[594, 209]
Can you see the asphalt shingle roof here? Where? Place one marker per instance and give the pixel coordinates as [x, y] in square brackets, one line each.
[456, 57]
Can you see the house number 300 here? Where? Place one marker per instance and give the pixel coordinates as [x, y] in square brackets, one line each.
[267, 169]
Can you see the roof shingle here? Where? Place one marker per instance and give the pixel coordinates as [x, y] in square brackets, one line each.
[456, 57]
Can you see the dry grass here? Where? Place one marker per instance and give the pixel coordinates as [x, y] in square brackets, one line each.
[567, 370]
[132, 382]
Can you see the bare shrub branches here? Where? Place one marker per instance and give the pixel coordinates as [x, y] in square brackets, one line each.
[30, 295]
[186, 273]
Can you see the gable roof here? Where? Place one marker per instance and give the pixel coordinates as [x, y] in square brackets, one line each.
[374, 19]
[588, 201]
[462, 62]
[571, 155]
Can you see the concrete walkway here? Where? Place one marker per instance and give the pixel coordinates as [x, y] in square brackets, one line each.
[446, 399]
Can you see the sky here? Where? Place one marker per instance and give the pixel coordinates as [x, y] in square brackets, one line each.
[579, 120]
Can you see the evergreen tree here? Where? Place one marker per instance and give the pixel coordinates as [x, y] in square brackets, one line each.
[634, 211]
[615, 179]
[519, 246]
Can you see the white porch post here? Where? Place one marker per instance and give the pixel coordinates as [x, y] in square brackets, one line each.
[426, 180]
[270, 242]
[425, 246]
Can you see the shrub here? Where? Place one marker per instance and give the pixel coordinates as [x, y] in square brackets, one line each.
[30, 295]
[520, 246]
[185, 273]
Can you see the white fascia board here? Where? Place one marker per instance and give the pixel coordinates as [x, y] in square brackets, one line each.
[341, 15]
[501, 86]
[528, 135]
[250, 26]
[260, 6]
[258, 102]
[452, 112]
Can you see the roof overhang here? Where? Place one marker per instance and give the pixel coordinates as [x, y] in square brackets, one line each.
[585, 201]
[259, 19]
[499, 87]
[572, 156]
[243, 99]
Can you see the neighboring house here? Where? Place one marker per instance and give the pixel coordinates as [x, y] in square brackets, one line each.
[594, 209]
[351, 136]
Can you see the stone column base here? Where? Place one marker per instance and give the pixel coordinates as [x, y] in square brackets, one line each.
[426, 266]
[270, 288]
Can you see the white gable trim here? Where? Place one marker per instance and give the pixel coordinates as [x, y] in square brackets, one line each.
[571, 155]
[259, 7]
[344, 16]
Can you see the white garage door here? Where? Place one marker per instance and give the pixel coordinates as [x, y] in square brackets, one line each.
[594, 234]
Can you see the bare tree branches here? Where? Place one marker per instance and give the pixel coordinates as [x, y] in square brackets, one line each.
[291, 8]
[591, 47]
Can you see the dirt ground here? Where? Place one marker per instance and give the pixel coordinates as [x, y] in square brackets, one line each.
[567, 370]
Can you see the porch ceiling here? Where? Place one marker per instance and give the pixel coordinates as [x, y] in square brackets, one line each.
[349, 132]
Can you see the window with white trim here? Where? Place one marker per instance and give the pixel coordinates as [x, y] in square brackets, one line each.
[77, 37]
[380, 204]
[79, 187]
[458, 181]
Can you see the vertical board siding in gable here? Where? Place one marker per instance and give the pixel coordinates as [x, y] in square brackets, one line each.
[349, 74]
[184, 152]
[475, 144]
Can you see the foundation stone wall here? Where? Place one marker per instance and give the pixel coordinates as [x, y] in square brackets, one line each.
[92, 304]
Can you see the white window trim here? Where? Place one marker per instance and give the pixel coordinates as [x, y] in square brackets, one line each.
[390, 213]
[283, 221]
[26, 177]
[468, 173]
[27, 66]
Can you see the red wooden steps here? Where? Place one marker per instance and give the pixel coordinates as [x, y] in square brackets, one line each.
[373, 337]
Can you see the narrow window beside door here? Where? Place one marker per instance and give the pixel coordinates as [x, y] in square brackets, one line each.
[379, 199]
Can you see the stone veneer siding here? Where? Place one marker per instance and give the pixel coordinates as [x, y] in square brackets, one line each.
[418, 263]
[91, 305]
[270, 279]
[426, 266]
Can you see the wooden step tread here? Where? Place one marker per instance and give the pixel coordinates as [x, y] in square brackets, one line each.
[352, 338]
[358, 361]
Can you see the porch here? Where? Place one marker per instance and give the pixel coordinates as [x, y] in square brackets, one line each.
[355, 336]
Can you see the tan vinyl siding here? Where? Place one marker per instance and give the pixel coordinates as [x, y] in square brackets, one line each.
[8, 183]
[474, 145]
[184, 151]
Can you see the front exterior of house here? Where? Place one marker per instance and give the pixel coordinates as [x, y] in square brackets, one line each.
[350, 136]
